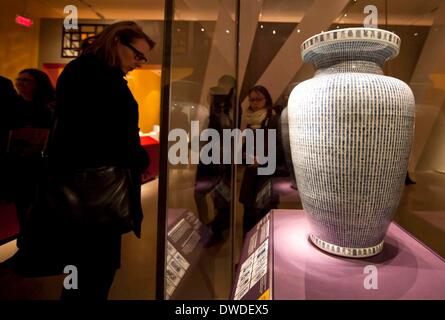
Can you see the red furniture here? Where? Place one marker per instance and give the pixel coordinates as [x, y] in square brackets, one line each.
[151, 145]
[9, 226]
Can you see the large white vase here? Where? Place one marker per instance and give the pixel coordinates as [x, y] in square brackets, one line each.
[351, 130]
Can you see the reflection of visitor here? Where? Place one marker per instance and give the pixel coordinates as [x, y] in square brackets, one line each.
[216, 178]
[220, 119]
[256, 192]
[185, 100]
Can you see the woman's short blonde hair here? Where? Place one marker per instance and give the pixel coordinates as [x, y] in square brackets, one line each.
[103, 45]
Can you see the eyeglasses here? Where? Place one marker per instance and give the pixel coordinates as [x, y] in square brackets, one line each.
[137, 54]
[256, 99]
[24, 80]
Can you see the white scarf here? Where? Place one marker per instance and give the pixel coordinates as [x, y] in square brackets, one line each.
[255, 118]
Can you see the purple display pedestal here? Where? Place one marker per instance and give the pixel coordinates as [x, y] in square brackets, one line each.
[406, 269]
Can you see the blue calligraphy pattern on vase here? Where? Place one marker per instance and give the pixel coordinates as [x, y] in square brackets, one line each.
[351, 130]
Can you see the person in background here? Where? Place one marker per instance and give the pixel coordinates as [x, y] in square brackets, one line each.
[36, 99]
[260, 115]
[215, 178]
[97, 126]
[29, 122]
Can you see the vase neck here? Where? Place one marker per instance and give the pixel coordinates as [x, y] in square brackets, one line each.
[356, 66]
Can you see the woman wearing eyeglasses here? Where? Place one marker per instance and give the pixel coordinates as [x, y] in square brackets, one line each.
[97, 127]
[260, 115]
[36, 99]
[29, 123]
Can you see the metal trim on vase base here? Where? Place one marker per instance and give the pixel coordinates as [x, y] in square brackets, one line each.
[345, 251]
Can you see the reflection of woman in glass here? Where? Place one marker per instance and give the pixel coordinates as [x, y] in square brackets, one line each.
[215, 177]
[219, 120]
[260, 115]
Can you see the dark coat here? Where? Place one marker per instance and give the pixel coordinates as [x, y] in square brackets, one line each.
[97, 118]
[97, 121]
[31, 114]
[252, 182]
[21, 165]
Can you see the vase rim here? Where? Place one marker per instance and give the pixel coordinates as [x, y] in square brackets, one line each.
[370, 35]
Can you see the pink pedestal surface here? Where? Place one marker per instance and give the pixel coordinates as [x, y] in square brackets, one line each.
[406, 269]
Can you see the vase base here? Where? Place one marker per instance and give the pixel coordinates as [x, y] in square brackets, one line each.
[346, 251]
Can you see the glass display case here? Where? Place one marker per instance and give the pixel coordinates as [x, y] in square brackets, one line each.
[215, 52]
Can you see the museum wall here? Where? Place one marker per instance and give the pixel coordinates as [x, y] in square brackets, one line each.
[428, 84]
[51, 42]
[144, 83]
[433, 157]
[427, 142]
[51, 38]
[266, 60]
[19, 45]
